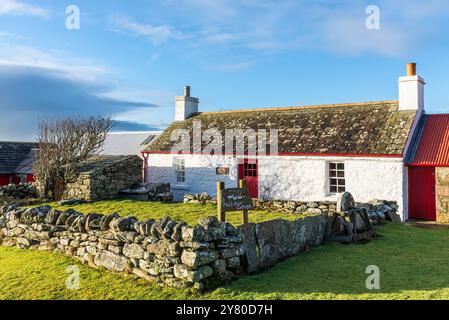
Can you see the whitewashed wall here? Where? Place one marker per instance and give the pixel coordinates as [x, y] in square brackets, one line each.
[290, 178]
[200, 173]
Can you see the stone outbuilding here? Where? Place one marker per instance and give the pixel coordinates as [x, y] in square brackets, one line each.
[103, 177]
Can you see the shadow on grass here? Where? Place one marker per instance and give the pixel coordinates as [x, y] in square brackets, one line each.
[409, 259]
[188, 212]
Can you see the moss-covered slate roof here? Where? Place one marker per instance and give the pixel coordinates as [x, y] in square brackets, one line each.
[358, 128]
[96, 163]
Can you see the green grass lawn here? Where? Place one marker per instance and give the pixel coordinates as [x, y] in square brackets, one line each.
[414, 264]
[188, 212]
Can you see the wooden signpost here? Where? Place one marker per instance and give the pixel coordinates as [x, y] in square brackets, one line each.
[233, 199]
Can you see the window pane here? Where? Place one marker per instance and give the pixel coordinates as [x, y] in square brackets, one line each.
[337, 177]
[179, 166]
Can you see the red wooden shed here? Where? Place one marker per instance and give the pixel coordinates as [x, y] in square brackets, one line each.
[428, 171]
[16, 162]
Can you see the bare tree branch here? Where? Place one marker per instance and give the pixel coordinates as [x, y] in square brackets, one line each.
[63, 145]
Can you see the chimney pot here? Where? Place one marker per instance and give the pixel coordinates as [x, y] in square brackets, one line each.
[187, 91]
[411, 69]
[411, 90]
[186, 106]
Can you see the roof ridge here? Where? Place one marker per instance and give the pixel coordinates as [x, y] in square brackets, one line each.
[317, 106]
[19, 142]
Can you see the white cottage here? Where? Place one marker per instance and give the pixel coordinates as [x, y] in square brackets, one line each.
[322, 150]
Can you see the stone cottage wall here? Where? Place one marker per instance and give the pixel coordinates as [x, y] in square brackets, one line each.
[106, 182]
[442, 194]
[293, 178]
[163, 251]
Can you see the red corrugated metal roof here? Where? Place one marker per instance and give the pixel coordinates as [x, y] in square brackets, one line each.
[433, 149]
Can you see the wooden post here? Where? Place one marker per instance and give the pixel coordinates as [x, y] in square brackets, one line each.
[242, 185]
[221, 215]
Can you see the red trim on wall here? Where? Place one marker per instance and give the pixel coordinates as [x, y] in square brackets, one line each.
[296, 154]
[428, 165]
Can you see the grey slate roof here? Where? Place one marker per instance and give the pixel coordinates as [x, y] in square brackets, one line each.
[96, 163]
[126, 143]
[12, 154]
[368, 128]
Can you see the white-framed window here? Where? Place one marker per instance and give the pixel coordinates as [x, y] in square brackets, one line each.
[336, 176]
[180, 170]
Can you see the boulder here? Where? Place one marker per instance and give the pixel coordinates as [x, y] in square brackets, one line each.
[133, 251]
[249, 246]
[156, 248]
[231, 252]
[144, 227]
[64, 216]
[168, 229]
[312, 211]
[110, 261]
[106, 221]
[193, 234]
[233, 262]
[93, 221]
[184, 272]
[52, 217]
[123, 224]
[231, 230]
[198, 258]
[219, 266]
[177, 231]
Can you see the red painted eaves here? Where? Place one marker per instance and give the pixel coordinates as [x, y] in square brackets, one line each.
[297, 154]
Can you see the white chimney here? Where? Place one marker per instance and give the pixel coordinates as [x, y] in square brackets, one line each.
[186, 105]
[411, 90]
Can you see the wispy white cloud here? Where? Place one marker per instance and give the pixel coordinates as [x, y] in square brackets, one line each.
[231, 67]
[347, 35]
[61, 62]
[157, 34]
[14, 7]
[325, 26]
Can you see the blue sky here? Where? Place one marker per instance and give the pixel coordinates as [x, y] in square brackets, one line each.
[130, 58]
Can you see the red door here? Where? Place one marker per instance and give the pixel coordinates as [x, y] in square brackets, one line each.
[4, 179]
[421, 193]
[248, 171]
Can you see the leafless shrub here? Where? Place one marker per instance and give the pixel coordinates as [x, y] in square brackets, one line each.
[63, 145]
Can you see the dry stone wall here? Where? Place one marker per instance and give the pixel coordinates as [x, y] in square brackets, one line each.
[161, 251]
[378, 210]
[442, 194]
[269, 242]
